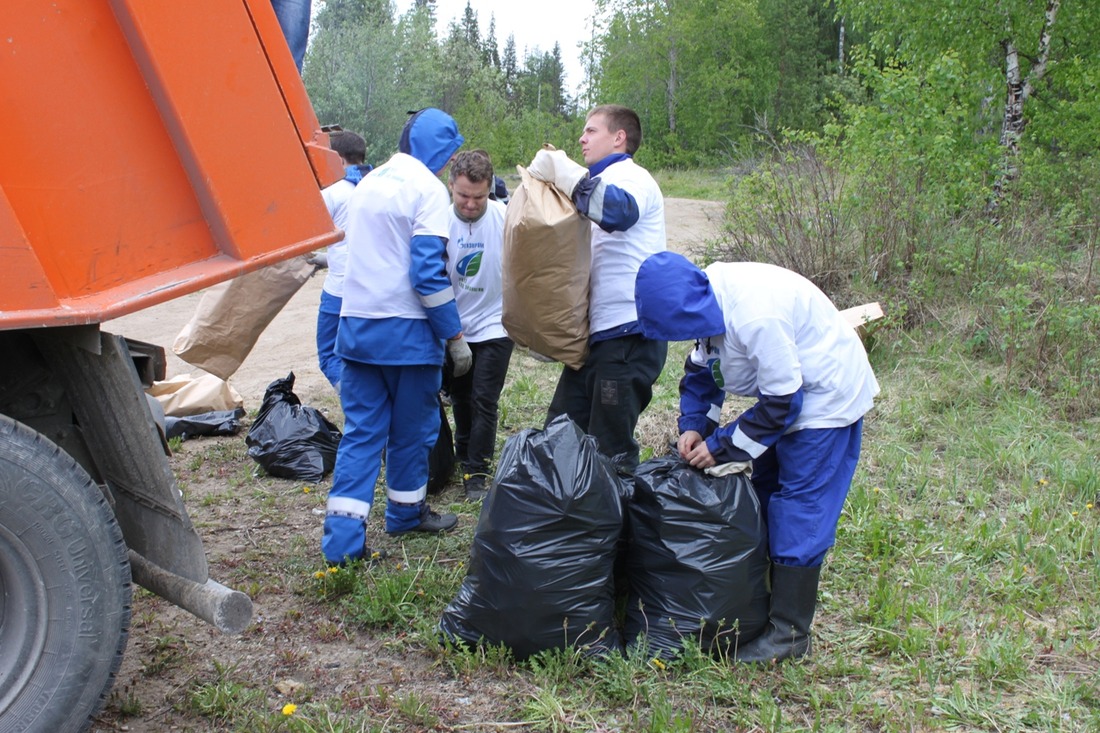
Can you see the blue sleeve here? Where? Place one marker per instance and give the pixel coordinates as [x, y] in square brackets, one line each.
[700, 399]
[428, 274]
[610, 207]
[756, 429]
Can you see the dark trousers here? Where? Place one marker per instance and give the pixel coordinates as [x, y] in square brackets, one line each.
[606, 396]
[475, 396]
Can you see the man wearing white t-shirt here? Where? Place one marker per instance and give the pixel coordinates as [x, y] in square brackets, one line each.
[766, 332]
[474, 252]
[607, 394]
[397, 317]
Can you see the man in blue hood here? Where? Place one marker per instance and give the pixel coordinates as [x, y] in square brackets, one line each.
[765, 332]
[397, 316]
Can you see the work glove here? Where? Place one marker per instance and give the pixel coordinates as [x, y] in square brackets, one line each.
[554, 166]
[318, 259]
[460, 354]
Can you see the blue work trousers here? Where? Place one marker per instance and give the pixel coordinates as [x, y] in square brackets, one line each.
[390, 408]
[328, 322]
[802, 482]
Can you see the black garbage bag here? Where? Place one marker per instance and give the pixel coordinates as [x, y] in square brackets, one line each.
[441, 460]
[217, 422]
[541, 561]
[696, 559]
[289, 439]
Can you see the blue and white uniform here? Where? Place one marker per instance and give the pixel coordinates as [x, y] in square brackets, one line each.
[766, 332]
[336, 199]
[398, 309]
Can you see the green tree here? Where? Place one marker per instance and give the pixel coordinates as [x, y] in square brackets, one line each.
[1007, 51]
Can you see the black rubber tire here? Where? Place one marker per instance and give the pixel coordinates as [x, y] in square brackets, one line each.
[65, 588]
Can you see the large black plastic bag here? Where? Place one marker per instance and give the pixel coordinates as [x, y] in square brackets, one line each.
[441, 459]
[696, 559]
[216, 422]
[289, 439]
[544, 548]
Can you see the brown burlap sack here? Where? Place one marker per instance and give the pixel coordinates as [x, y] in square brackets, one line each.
[231, 316]
[547, 257]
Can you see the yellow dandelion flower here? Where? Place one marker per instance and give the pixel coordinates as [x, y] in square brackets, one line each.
[306, 489]
[1043, 482]
[375, 555]
[1089, 505]
[333, 569]
[289, 709]
[319, 574]
[656, 662]
[1075, 514]
[877, 490]
[465, 477]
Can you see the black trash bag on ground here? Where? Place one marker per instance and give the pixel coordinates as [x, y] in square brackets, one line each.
[696, 559]
[441, 461]
[289, 439]
[217, 422]
[541, 561]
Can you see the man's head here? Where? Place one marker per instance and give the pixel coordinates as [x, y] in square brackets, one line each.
[349, 146]
[610, 128]
[471, 180]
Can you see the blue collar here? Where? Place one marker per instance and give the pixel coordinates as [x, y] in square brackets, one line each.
[600, 166]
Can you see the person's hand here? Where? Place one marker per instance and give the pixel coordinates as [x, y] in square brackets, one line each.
[688, 440]
[318, 259]
[460, 354]
[554, 166]
[694, 450]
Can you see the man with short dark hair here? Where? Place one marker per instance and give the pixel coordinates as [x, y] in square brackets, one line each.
[352, 150]
[474, 263]
[606, 396]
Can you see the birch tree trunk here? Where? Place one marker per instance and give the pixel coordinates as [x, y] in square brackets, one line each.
[1017, 91]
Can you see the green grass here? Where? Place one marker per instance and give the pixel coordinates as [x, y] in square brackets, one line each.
[706, 185]
[961, 595]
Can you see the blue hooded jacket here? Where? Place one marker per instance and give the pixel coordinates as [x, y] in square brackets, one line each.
[431, 136]
[675, 300]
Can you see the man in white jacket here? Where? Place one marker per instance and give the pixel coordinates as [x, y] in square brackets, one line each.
[607, 394]
[766, 332]
[397, 318]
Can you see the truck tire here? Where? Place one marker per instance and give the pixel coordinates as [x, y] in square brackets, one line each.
[64, 587]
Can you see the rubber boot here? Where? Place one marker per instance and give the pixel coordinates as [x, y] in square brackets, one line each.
[793, 601]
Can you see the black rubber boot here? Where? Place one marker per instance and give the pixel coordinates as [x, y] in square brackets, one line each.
[794, 599]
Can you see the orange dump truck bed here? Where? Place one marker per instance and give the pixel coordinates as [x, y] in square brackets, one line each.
[149, 149]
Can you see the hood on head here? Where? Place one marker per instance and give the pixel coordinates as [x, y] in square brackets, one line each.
[431, 136]
[675, 300]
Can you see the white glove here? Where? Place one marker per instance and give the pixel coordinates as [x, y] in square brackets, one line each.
[554, 166]
[461, 356]
[318, 259]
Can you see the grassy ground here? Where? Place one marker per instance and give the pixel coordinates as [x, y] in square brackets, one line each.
[961, 595]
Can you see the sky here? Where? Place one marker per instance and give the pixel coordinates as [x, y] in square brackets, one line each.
[541, 24]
